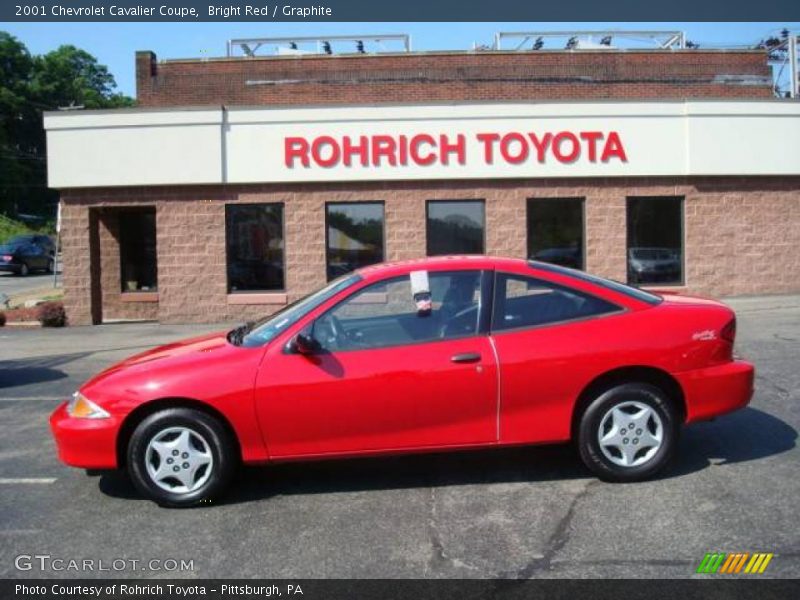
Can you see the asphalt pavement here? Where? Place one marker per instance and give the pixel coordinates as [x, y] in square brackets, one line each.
[524, 512]
[11, 284]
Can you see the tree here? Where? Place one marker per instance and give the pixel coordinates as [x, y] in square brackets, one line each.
[29, 85]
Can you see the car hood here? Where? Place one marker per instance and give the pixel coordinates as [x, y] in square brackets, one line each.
[183, 351]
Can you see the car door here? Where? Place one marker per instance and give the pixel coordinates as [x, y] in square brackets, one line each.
[551, 340]
[385, 375]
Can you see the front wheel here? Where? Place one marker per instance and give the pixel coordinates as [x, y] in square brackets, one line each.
[181, 457]
[628, 433]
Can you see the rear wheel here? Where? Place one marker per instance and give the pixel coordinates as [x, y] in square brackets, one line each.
[24, 270]
[181, 457]
[628, 433]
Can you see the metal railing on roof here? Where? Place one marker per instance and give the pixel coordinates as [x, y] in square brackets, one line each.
[319, 44]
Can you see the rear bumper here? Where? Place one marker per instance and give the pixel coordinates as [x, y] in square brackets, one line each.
[10, 267]
[85, 443]
[717, 390]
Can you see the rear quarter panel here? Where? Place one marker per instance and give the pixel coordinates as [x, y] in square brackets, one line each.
[545, 369]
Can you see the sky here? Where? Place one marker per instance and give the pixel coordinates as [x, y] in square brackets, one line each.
[114, 44]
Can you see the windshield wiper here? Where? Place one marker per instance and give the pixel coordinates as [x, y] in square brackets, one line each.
[236, 335]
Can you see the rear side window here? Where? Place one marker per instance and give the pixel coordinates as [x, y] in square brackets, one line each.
[527, 302]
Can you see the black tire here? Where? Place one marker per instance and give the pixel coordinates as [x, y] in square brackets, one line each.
[24, 270]
[596, 415]
[50, 266]
[208, 430]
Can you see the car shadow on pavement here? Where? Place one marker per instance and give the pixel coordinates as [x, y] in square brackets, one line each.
[747, 435]
[40, 369]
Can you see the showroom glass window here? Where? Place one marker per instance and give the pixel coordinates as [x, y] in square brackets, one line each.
[655, 240]
[555, 231]
[254, 246]
[354, 236]
[455, 227]
[137, 250]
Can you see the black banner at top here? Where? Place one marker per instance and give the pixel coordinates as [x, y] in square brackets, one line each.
[399, 11]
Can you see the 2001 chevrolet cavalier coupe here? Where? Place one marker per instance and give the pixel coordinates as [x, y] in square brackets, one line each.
[436, 354]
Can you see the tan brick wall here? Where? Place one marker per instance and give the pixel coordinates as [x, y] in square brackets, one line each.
[453, 76]
[742, 235]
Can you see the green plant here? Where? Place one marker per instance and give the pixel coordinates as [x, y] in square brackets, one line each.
[51, 314]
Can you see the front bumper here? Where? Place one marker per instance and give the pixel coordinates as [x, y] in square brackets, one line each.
[85, 443]
[717, 390]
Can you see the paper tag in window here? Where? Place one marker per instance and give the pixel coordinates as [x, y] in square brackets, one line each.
[421, 292]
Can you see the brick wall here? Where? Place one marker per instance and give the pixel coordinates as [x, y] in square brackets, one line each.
[430, 77]
[741, 234]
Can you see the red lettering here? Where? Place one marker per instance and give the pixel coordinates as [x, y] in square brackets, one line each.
[383, 146]
[403, 150]
[541, 145]
[592, 137]
[316, 151]
[488, 139]
[446, 148]
[362, 150]
[558, 142]
[506, 144]
[416, 142]
[295, 147]
[613, 148]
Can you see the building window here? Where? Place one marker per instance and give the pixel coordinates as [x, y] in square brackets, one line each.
[455, 227]
[655, 240]
[354, 236]
[254, 244]
[137, 250]
[555, 231]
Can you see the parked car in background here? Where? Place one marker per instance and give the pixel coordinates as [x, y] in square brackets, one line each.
[653, 265]
[24, 257]
[425, 355]
[44, 241]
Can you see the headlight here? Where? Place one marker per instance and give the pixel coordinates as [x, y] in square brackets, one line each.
[81, 407]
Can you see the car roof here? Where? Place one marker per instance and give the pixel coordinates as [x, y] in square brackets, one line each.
[439, 263]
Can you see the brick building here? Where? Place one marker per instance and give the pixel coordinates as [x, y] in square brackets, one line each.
[238, 185]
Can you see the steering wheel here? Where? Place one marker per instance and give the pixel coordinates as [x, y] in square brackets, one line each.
[330, 333]
[453, 322]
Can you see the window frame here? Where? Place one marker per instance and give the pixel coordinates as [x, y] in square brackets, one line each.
[485, 303]
[355, 203]
[533, 200]
[122, 244]
[481, 201]
[282, 289]
[682, 219]
[498, 289]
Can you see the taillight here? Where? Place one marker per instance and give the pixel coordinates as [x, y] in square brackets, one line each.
[728, 332]
[7, 257]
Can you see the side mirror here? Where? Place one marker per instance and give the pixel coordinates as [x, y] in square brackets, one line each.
[303, 343]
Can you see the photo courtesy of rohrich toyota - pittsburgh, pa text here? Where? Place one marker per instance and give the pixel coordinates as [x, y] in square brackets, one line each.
[342, 299]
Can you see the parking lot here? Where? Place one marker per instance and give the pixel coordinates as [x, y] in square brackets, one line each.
[523, 512]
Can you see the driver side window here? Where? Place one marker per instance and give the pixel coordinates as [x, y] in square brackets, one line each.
[386, 313]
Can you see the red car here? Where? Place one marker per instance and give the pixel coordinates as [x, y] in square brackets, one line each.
[428, 355]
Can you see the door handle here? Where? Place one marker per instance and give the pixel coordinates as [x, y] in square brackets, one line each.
[466, 357]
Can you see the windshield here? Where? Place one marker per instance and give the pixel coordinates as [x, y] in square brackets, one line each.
[632, 292]
[265, 330]
[8, 248]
